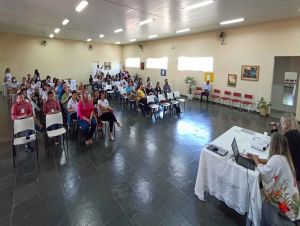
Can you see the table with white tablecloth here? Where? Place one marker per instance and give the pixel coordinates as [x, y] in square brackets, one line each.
[224, 179]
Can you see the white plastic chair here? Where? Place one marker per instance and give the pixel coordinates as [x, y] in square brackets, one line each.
[170, 98]
[152, 105]
[178, 98]
[23, 125]
[55, 119]
[123, 96]
[163, 103]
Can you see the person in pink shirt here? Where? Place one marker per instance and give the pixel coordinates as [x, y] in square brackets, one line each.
[87, 120]
[51, 106]
[21, 109]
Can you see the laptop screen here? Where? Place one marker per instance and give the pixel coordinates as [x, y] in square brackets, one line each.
[235, 149]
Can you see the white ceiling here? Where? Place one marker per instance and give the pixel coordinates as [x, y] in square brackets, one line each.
[40, 17]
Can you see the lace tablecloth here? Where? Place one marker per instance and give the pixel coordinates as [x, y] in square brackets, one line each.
[222, 178]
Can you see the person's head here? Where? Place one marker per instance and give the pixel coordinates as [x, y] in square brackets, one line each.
[96, 94]
[149, 85]
[13, 79]
[36, 72]
[20, 97]
[65, 87]
[207, 82]
[166, 81]
[48, 77]
[50, 95]
[288, 122]
[85, 95]
[98, 66]
[130, 83]
[102, 95]
[148, 79]
[28, 76]
[7, 70]
[141, 86]
[158, 84]
[24, 79]
[74, 95]
[279, 146]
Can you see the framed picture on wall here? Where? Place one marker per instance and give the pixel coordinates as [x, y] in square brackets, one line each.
[231, 80]
[107, 65]
[163, 72]
[250, 73]
[142, 65]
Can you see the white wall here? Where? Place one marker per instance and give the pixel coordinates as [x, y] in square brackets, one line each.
[59, 58]
[249, 45]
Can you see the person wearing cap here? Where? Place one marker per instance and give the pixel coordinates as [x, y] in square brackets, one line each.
[72, 108]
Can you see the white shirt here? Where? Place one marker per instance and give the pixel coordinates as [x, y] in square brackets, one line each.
[44, 95]
[102, 104]
[280, 185]
[73, 105]
[7, 78]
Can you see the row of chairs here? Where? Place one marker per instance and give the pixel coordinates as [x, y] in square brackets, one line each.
[25, 133]
[235, 99]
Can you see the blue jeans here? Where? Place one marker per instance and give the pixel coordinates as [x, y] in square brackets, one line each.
[88, 130]
[70, 117]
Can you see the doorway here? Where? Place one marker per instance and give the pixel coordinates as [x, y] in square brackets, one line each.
[285, 85]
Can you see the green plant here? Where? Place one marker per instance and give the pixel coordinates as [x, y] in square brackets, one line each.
[191, 82]
[263, 107]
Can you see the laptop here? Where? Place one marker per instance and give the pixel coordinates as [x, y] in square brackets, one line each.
[240, 160]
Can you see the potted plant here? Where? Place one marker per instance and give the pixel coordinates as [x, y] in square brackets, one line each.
[263, 107]
[191, 82]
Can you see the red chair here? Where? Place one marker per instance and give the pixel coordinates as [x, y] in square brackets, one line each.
[248, 101]
[216, 95]
[198, 92]
[237, 99]
[226, 97]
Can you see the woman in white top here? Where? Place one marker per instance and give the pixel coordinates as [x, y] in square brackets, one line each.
[281, 195]
[7, 78]
[106, 114]
[72, 108]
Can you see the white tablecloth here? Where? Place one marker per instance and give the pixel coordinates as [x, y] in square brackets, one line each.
[222, 178]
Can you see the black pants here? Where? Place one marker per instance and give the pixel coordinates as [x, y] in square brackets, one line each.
[143, 103]
[205, 93]
[110, 117]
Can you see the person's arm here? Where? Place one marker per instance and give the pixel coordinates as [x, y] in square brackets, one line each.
[70, 108]
[80, 112]
[13, 113]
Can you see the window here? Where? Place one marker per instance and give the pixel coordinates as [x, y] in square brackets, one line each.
[157, 63]
[133, 62]
[205, 64]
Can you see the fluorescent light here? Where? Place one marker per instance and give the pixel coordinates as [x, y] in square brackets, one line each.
[183, 30]
[118, 30]
[88, 39]
[146, 21]
[232, 21]
[152, 36]
[117, 43]
[56, 30]
[132, 40]
[101, 36]
[81, 6]
[65, 22]
[198, 5]
[51, 36]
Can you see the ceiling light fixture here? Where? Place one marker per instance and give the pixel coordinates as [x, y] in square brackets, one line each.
[232, 21]
[101, 36]
[146, 21]
[65, 22]
[81, 6]
[132, 40]
[152, 36]
[118, 30]
[117, 43]
[51, 36]
[88, 39]
[56, 30]
[183, 30]
[198, 5]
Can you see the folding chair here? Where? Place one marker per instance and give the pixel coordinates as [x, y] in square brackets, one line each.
[55, 119]
[216, 95]
[151, 103]
[198, 92]
[248, 101]
[226, 97]
[162, 102]
[123, 96]
[171, 100]
[237, 99]
[108, 90]
[23, 125]
[179, 99]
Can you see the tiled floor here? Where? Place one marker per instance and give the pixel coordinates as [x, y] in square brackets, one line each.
[145, 177]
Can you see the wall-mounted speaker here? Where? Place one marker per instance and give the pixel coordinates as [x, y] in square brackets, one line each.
[43, 42]
[221, 35]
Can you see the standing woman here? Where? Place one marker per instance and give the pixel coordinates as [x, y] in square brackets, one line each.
[281, 195]
[87, 120]
[106, 114]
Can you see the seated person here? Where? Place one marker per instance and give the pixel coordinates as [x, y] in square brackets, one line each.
[95, 97]
[290, 129]
[20, 110]
[149, 89]
[158, 90]
[86, 118]
[141, 98]
[72, 108]
[167, 88]
[65, 97]
[206, 90]
[131, 94]
[281, 194]
[106, 114]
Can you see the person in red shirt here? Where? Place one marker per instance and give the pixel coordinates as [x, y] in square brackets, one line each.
[87, 120]
[20, 110]
[51, 106]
